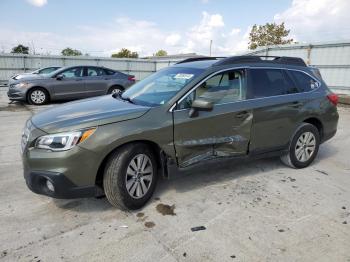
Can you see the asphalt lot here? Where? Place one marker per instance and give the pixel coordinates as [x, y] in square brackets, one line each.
[257, 211]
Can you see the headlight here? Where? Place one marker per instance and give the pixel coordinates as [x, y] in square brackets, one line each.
[63, 141]
[20, 85]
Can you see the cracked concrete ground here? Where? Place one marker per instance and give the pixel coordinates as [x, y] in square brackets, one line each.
[256, 211]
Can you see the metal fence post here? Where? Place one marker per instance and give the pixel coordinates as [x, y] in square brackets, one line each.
[308, 61]
[24, 63]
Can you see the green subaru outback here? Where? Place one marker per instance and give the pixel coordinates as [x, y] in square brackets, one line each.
[197, 110]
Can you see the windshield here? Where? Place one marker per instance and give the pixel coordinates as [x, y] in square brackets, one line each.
[161, 86]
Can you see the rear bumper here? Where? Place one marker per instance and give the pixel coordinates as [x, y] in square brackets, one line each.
[330, 125]
[328, 135]
[63, 187]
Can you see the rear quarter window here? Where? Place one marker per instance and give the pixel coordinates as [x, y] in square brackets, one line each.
[109, 72]
[304, 82]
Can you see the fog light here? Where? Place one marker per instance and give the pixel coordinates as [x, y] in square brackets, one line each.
[50, 186]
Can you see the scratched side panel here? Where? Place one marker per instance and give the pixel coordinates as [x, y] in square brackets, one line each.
[218, 133]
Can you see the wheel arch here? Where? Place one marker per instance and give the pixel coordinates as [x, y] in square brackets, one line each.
[39, 87]
[154, 147]
[317, 123]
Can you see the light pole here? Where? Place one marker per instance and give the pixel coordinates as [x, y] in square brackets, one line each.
[211, 43]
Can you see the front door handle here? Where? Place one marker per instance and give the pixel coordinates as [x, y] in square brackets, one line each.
[242, 114]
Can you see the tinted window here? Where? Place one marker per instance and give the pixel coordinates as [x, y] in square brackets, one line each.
[226, 87]
[95, 71]
[304, 82]
[270, 82]
[73, 72]
[109, 72]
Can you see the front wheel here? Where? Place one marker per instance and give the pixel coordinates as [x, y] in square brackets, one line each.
[303, 148]
[38, 96]
[130, 176]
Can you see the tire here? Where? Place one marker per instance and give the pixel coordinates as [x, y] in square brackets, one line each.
[115, 89]
[303, 147]
[120, 179]
[38, 96]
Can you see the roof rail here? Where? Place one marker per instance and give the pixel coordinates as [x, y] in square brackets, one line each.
[198, 58]
[258, 59]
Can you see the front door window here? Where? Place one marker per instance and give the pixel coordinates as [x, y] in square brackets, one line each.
[222, 88]
[73, 72]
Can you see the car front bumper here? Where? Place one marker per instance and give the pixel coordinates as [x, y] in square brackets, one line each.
[72, 173]
[16, 94]
[61, 186]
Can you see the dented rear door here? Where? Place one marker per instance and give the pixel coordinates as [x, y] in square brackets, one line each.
[222, 132]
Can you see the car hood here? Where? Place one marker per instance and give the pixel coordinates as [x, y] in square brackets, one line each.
[87, 113]
[30, 77]
[22, 75]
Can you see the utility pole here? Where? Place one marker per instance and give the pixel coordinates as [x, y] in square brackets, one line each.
[33, 47]
[211, 43]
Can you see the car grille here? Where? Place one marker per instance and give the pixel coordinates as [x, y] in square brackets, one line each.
[25, 135]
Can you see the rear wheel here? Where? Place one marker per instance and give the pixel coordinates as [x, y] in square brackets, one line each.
[303, 148]
[38, 96]
[115, 90]
[130, 176]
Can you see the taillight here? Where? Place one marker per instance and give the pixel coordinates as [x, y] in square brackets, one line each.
[333, 98]
[131, 78]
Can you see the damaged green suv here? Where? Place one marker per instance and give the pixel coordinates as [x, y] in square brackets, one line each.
[197, 110]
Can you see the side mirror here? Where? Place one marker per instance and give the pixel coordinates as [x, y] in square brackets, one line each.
[200, 105]
[59, 77]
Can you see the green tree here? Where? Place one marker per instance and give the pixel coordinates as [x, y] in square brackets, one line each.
[71, 52]
[20, 49]
[161, 52]
[268, 34]
[124, 52]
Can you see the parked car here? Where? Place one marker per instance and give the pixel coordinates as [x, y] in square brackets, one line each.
[197, 110]
[73, 82]
[40, 71]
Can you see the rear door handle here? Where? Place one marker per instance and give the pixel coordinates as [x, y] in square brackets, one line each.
[296, 104]
[242, 114]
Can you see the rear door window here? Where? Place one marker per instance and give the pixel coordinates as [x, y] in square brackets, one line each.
[270, 82]
[304, 82]
[95, 71]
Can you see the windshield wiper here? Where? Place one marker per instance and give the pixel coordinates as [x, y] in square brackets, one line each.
[119, 96]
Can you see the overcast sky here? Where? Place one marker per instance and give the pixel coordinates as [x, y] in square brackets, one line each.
[105, 26]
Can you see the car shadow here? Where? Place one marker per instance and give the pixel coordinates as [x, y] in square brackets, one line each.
[327, 150]
[200, 176]
[217, 173]
[84, 205]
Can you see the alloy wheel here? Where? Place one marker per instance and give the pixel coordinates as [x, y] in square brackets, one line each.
[116, 91]
[139, 175]
[38, 96]
[305, 146]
